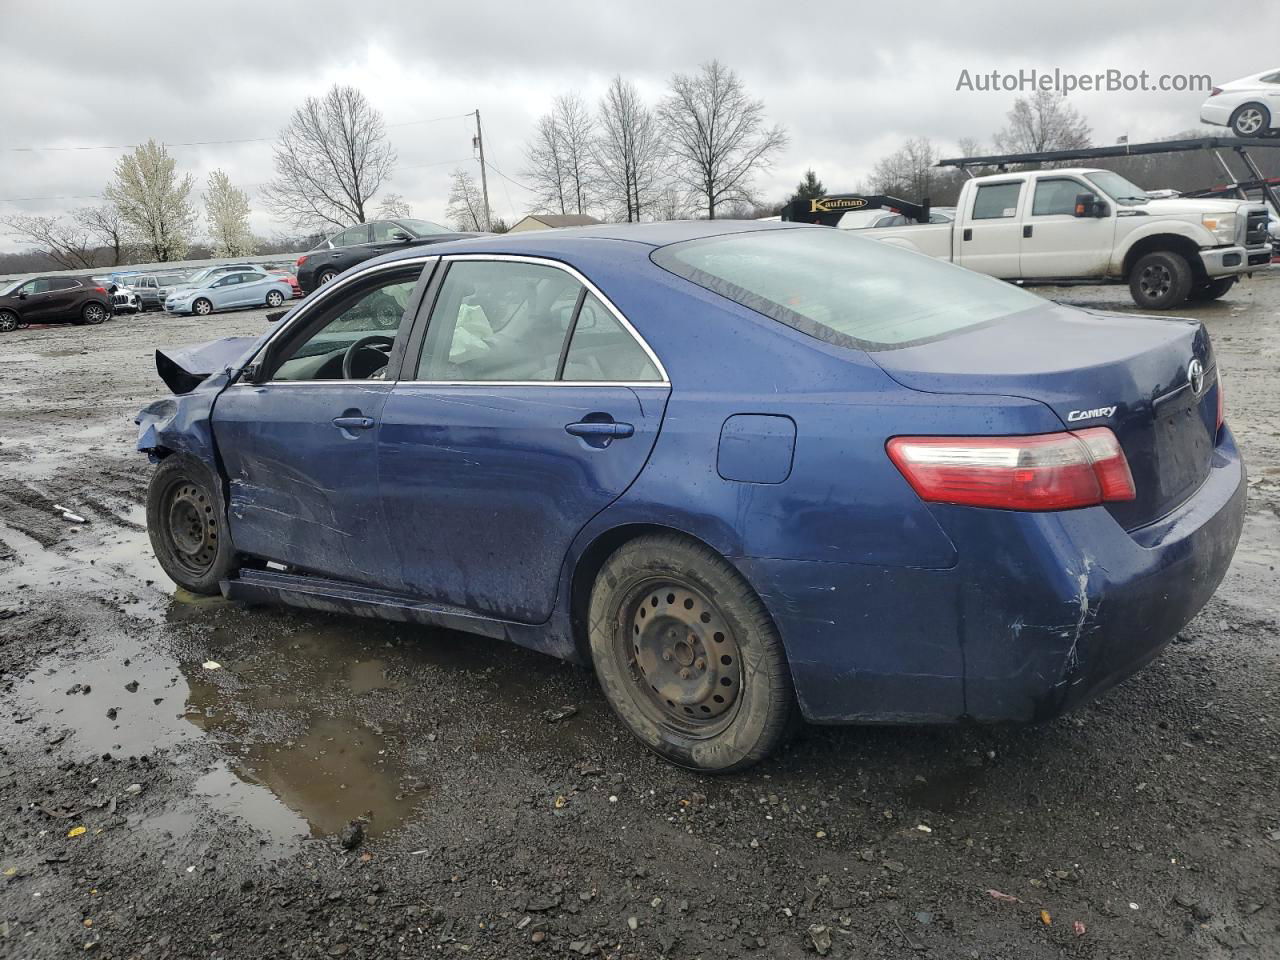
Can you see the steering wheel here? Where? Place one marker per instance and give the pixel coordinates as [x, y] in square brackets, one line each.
[348, 358]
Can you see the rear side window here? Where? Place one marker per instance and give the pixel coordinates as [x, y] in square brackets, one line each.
[61, 284]
[996, 201]
[602, 349]
[843, 288]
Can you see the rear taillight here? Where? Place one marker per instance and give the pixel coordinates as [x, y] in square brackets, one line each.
[102, 290]
[302, 259]
[1053, 471]
[1215, 91]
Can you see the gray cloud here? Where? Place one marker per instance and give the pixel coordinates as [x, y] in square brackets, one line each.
[850, 82]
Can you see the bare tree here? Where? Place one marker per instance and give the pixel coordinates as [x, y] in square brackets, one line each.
[628, 151]
[330, 161]
[908, 170]
[717, 135]
[466, 205]
[227, 213]
[105, 226]
[153, 202]
[1043, 121]
[68, 244]
[560, 157]
[394, 207]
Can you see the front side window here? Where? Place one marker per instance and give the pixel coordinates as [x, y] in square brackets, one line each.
[996, 201]
[1122, 191]
[424, 228]
[499, 320]
[842, 288]
[1057, 196]
[35, 286]
[355, 336]
[383, 230]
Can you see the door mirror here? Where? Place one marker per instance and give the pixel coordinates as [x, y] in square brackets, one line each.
[400, 235]
[1090, 205]
[22, 294]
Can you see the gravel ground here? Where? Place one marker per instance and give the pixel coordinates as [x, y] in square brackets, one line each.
[180, 777]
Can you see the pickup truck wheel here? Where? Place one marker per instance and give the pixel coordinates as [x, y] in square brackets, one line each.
[8, 321]
[1160, 280]
[688, 656]
[187, 527]
[1213, 289]
[1251, 120]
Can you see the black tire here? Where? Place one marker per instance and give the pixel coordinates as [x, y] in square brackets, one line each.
[1213, 289]
[274, 298]
[187, 525]
[9, 321]
[141, 308]
[324, 276]
[1160, 280]
[688, 656]
[93, 313]
[202, 307]
[1250, 120]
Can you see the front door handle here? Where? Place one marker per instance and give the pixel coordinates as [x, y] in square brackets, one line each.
[968, 233]
[1026, 231]
[353, 423]
[595, 429]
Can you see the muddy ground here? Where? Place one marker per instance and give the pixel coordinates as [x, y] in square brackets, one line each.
[153, 806]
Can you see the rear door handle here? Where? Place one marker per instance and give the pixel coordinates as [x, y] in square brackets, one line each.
[595, 429]
[353, 423]
[1026, 231]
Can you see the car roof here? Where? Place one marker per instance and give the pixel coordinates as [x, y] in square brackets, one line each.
[587, 240]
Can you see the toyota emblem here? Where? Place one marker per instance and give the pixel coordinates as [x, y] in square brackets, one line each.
[1195, 377]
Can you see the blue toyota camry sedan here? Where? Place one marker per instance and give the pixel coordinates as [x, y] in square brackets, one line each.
[750, 473]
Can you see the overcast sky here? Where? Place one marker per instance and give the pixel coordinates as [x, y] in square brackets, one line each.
[849, 81]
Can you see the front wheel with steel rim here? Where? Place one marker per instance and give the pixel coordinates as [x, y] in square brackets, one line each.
[8, 321]
[1160, 280]
[186, 525]
[688, 656]
[1251, 120]
[202, 307]
[93, 313]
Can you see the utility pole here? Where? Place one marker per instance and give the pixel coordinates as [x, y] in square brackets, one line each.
[478, 142]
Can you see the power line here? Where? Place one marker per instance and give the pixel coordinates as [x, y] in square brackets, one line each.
[505, 177]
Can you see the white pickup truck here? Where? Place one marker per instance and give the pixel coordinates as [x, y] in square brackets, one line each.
[1084, 226]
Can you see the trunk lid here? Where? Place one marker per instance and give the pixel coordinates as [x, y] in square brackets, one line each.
[1129, 373]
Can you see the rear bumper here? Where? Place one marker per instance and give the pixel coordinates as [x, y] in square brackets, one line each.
[1041, 612]
[1219, 114]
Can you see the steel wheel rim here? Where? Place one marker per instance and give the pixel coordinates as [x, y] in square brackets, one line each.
[274, 299]
[327, 276]
[203, 308]
[1249, 121]
[191, 527]
[682, 657]
[1156, 281]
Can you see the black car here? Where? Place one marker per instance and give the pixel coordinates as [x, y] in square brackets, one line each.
[364, 241]
[53, 300]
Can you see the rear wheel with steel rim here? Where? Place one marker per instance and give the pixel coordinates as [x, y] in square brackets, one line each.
[8, 321]
[688, 656]
[324, 276]
[1251, 120]
[202, 307]
[274, 299]
[93, 313]
[186, 526]
[1160, 280]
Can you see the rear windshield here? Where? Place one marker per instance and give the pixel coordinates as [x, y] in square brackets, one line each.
[842, 288]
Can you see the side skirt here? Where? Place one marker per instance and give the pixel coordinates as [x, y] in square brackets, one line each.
[268, 587]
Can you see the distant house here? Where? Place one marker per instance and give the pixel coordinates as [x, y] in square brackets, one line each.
[548, 221]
